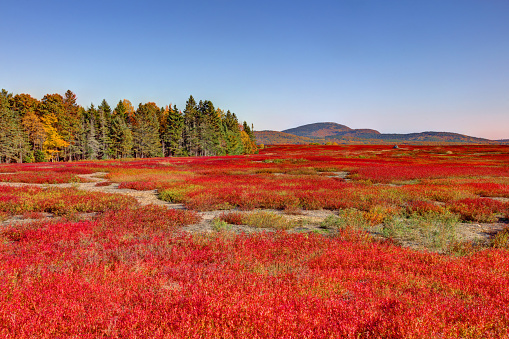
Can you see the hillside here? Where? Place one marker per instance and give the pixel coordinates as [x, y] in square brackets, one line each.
[280, 138]
[318, 130]
[336, 133]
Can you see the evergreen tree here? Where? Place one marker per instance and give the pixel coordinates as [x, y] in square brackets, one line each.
[172, 136]
[163, 122]
[145, 131]
[79, 149]
[13, 140]
[232, 134]
[103, 122]
[191, 128]
[57, 128]
[210, 129]
[93, 147]
[73, 121]
[120, 135]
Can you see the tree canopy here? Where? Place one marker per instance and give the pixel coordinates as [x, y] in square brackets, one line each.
[56, 128]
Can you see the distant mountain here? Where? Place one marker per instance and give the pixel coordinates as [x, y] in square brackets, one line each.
[330, 132]
[280, 138]
[318, 130]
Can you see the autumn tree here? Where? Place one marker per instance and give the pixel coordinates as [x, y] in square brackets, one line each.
[54, 142]
[34, 129]
[248, 139]
[24, 103]
[57, 128]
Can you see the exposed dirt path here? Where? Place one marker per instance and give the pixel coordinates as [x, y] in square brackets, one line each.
[308, 221]
[143, 197]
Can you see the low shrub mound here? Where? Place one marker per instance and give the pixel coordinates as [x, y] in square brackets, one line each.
[59, 201]
[73, 280]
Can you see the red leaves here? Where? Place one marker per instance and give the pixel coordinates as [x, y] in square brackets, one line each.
[132, 272]
[132, 280]
[480, 209]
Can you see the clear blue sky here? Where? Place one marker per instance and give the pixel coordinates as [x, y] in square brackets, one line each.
[395, 66]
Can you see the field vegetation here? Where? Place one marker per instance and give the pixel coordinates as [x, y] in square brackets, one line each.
[296, 241]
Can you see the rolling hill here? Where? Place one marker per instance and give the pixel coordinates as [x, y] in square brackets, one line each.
[280, 138]
[330, 132]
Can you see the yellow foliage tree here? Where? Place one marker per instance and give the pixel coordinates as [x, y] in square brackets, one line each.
[34, 129]
[247, 143]
[54, 142]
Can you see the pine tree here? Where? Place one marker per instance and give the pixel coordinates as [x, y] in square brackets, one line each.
[103, 122]
[79, 148]
[191, 127]
[119, 133]
[172, 136]
[232, 134]
[73, 120]
[13, 140]
[145, 130]
[92, 148]
[211, 131]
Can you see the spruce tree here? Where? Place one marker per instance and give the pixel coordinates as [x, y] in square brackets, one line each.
[191, 128]
[232, 133]
[211, 137]
[13, 140]
[103, 129]
[145, 130]
[172, 136]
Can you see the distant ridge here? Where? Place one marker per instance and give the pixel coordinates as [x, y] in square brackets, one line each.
[318, 130]
[281, 138]
[331, 132]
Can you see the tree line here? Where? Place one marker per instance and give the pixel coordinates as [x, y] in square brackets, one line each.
[56, 128]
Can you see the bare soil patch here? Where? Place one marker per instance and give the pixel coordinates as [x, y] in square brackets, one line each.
[305, 220]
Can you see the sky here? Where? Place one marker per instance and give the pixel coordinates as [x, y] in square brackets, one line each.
[397, 66]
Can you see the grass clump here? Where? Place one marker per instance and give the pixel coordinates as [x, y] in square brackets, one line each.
[434, 231]
[263, 219]
[219, 225]
[175, 195]
[349, 217]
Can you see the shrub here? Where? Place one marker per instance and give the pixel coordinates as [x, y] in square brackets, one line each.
[234, 218]
[479, 209]
[501, 239]
[423, 207]
[379, 213]
[220, 225]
